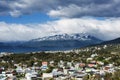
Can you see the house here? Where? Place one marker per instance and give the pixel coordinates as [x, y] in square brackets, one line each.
[105, 46]
[20, 70]
[63, 77]
[82, 64]
[91, 65]
[80, 76]
[51, 63]
[93, 55]
[47, 76]
[9, 74]
[108, 67]
[71, 71]
[100, 63]
[113, 53]
[1, 69]
[31, 75]
[11, 78]
[89, 59]
[3, 77]
[65, 71]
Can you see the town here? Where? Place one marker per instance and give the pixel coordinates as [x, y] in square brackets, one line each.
[90, 63]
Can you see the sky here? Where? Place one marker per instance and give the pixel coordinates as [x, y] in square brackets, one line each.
[23, 20]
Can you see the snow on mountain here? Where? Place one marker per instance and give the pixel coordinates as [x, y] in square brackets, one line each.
[55, 42]
[77, 36]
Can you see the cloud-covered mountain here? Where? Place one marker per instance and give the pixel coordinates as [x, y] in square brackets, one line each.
[55, 42]
[75, 36]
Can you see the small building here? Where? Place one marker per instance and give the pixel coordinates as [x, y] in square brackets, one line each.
[47, 76]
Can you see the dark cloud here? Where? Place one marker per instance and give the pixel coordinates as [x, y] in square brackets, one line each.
[84, 2]
[4, 7]
[62, 8]
[79, 8]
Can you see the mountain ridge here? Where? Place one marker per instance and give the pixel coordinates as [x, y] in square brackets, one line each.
[75, 36]
[114, 41]
[52, 43]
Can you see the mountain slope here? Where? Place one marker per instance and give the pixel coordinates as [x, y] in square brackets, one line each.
[63, 42]
[80, 37]
[114, 41]
[55, 42]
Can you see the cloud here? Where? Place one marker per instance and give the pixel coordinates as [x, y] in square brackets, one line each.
[24, 7]
[73, 18]
[106, 8]
[4, 8]
[62, 8]
[103, 29]
[16, 32]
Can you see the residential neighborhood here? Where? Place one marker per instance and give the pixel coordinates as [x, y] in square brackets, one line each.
[64, 65]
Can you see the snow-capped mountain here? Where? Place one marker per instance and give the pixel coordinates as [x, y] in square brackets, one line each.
[63, 41]
[80, 36]
[55, 42]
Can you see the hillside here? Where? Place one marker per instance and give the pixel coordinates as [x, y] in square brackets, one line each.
[52, 43]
